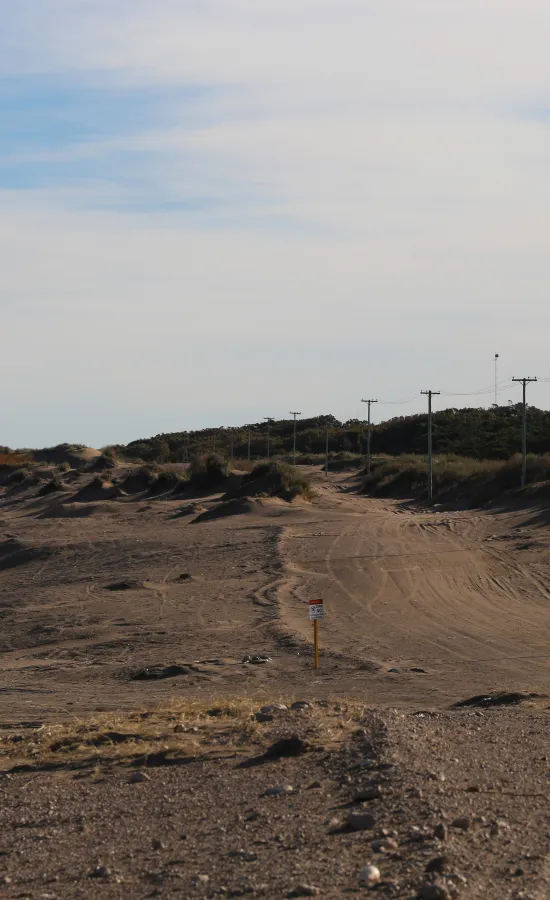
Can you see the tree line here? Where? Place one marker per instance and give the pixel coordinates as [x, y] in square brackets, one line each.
[493, 433]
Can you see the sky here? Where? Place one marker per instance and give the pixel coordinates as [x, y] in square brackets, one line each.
[213, 211]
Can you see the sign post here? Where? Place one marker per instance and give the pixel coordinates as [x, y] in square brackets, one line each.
[316, 612]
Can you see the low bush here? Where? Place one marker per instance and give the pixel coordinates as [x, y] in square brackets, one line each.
[272, 479]
[167, 481]
[208, 471]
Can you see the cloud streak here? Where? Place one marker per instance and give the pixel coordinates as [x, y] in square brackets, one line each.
[219, 207]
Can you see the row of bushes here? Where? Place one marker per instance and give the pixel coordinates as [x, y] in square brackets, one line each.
[209, 473]
[455, 478]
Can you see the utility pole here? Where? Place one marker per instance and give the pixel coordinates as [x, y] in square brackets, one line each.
[369, 404]
[524, 382]
[294, 442]
[326, 451]
[269, 420]
[496, 379]
[429, 395]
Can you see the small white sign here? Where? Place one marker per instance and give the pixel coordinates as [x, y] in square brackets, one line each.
[316, 609]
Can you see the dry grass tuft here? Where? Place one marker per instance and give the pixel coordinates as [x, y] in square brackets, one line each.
[176, 731]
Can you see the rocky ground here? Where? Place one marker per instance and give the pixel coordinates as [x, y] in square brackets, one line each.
[440, 804]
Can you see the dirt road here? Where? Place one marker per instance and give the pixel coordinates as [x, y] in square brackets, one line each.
[423, 607]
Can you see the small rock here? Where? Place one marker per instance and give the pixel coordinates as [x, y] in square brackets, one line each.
[245, 855]
[517, 873]
[203, 879]
[99, 872]
[438, 864]
[440, 832]
[5, 879]
[433, 892]
[368, 793]
[304, 890]
[300, 704]
[138, 777]
[360, 821]
[314, 785]
[418, 834]
[288, 746]
[179, 729]
[463, 823]
[369, 876]
[384, 845]
[274, 708]
[158, 844]
[279, 790]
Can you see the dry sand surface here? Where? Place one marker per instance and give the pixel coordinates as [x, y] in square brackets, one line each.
[132, 617]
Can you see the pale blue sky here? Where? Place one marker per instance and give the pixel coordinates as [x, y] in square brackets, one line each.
[212, 212]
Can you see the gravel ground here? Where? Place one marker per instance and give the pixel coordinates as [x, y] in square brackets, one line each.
[461, 793]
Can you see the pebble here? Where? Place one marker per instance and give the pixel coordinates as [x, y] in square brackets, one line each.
[274, 708]
[360, 821]
[419, 834]
[138, 777]
[179, 729]
[203, 879]
[99, 872]
[384, 845]
[301, 704]
[245, 855]
[304, 890]
[368, 793]
[433, 892]
[279, 790]
[463, 822]
[369, 876]
[158, 844]
[438, 864]
[440, 832]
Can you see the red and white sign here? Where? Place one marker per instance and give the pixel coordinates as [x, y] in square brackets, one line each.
[316, 609]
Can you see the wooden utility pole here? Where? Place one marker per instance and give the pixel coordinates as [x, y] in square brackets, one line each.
[294, 441]
[369, 404]
[524, 382]
[429, 395]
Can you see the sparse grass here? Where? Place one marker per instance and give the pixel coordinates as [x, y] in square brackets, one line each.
[272, 479]
[455, 478]
[14, 459]
[205, 728]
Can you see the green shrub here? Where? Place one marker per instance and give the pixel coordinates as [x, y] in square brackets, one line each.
[167, 481]
[208, 471]
[272, 479]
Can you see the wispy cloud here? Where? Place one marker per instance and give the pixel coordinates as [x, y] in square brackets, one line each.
[266, 199]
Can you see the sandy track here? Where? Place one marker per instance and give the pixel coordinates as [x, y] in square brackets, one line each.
[462, 598]
[424, 590]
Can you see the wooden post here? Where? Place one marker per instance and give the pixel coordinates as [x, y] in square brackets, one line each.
[316, 643]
